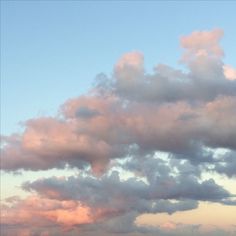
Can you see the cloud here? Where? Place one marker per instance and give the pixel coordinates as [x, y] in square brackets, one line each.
[172, 111]
[227, 164]
[140, 142]
[78, 141]
[42, 216]
[207, 76]
[202, 43]
[229, 72]
[171, 207]
[52, 143]
[168, 190]
[130, 61]
[41, 212]
[156, 185]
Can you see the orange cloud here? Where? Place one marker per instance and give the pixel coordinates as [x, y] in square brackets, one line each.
[36, 211]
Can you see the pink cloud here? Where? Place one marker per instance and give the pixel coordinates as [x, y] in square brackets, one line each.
[202, 43]
[229, 72]
[49, 142]
[132, 59]
[40, 212]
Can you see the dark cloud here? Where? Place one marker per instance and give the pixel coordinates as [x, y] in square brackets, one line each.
[171, 207]
[227, 164]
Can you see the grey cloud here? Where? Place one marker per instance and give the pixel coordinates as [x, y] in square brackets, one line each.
[167, 181]
[171, 207]
[204, 82]
[227, 164]
[85, 112]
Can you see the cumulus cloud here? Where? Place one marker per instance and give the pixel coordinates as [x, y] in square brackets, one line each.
[124, 127]
[157, 186]
[203, 43]
[40, 212]
[206, 79]
[229, 72]
[42, 216]
[180, 128]
[178, 112]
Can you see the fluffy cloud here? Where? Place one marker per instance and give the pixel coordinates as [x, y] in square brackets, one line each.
[181, 113]
[124, 127]
[203, 43]
[229, 72]
[157, 186]
[179, 128]
[45, 211]
[206, 79]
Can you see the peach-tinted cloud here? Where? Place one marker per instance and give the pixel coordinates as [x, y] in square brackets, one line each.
[177, 128]
[202, 43]
[230, 72]
[133, 59]
[41, 212]
[168, 226]
[76, 216]
[48, 143]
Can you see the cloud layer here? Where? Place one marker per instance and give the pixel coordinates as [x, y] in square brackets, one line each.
[141, 142]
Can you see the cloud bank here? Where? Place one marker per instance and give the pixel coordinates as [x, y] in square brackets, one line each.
[140, 141]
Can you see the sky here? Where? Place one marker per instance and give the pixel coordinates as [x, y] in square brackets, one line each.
[117, 118]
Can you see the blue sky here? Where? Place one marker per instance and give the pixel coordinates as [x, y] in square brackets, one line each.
[52, 50]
